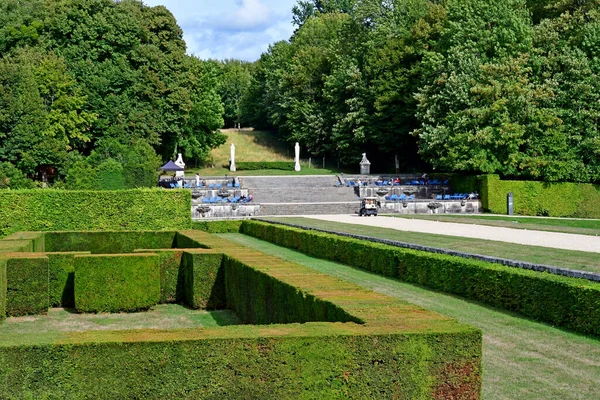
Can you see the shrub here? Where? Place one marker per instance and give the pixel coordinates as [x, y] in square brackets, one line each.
[62, 210]
[12, 178]
[111, 283]
[569, 302]
[110, 175]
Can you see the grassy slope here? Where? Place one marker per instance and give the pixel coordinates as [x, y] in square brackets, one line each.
[522, 359]
[541, 255]
[565, 225]
[254, 146]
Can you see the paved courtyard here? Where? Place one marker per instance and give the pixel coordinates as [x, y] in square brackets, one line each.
[555, 240]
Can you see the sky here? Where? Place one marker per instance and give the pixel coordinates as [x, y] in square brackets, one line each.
[240, 29]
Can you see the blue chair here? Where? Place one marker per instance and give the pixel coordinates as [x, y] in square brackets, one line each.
[218, 186]
[211, 185]
[446, 197]
[230, 185]
[205, 200]
[237, 185]
[402, 197]
[438, 197]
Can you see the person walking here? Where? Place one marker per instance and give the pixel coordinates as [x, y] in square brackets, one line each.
[197, 180]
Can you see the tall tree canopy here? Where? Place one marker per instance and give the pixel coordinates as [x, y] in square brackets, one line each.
[77, 73]
[508, 87]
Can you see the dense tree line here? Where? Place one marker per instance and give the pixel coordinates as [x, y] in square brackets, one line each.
[89, 88]
[509, 86]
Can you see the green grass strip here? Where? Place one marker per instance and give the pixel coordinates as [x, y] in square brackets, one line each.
[563, 225]
[521, 358]
[571, 259]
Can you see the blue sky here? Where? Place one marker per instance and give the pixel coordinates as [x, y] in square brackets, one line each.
[241, 29]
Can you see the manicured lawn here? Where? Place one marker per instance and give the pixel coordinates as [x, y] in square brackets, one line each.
[566, 225]
[164, 316]
[540, 255]
[522, 359]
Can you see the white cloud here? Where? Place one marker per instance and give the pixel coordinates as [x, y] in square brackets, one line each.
[222, 29]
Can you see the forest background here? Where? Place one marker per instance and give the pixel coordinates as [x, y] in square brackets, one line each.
[103, 89]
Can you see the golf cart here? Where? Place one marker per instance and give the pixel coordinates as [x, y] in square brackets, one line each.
[368, 206]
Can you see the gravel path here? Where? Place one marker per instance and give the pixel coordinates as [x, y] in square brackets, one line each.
[555, 240]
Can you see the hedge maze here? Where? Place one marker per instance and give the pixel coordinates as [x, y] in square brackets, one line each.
[304, 334]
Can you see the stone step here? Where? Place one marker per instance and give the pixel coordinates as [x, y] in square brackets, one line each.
[308, 208]
[303, 195]
[306, 181]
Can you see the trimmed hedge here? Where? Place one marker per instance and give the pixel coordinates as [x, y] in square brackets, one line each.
[2, 289]
[204, 279]
[172, 284]
[258, 165]
[394, 350]
[568, 302]
[116, 283]
[36, 238]
[61, 279]
[110, 242]
[577, 200]
[301, 362]
[230, 226]
[16, 246]
[64, 210]
[26, 284]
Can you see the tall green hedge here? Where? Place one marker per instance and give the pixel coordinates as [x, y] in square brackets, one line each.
[108, 242]
[578, 200]
[172, 284]
[204, 279]
[568, 302]
[27, 284]
[63, 210]
[61, 278]
[116, 283]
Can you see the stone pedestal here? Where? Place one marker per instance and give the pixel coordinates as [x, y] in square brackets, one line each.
[365, 165]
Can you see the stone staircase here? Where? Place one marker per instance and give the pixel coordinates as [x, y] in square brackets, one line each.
[300, 195]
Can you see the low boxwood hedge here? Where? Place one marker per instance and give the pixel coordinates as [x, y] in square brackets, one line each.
[116, 283]
[568, 302]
